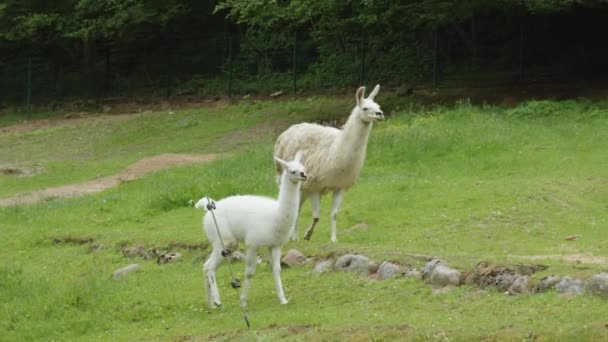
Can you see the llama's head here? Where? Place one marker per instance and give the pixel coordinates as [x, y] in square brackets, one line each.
[369, 111]
[294, 169]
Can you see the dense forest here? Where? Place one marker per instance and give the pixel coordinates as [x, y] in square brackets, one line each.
[82, 48]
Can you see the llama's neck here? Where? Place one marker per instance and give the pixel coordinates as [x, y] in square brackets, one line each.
[289, 201]
[352, 144]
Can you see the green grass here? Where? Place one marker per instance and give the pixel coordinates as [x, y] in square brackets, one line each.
[465, 183]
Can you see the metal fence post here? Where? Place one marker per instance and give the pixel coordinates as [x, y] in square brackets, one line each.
[363, 48]
[28, 97]
[230, 66]
[295, 61]
[521, 51]
[435, 57]
[168, 84]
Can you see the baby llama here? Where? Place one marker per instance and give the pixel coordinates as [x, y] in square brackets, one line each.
[334, 157]
[256, 221]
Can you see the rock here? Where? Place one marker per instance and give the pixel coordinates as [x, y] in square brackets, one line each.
[444, 276]
[168, 257]
[292, 258]
[121, 272]
[387, 270]
[430, 266]
[278, 93]
[486, 274]
[520, 285]
[504, 281]
[412, 272]
[546, 283]
[323, 266]
[570, 285]
[106, 108]
[598, 285]
[353, 263]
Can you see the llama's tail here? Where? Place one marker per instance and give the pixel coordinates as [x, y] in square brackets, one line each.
[205, 203]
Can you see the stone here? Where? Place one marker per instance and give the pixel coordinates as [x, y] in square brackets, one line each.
[323, 266]
[546, 283]
[168, 257]
[569, 285]
[292, 258]
[503, 281]
[387, 270]
[121, 272]
[430, 266]
[519, 285]
[353, 263]
[598, 285]
[444, 276]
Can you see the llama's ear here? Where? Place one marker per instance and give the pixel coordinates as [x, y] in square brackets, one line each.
[374, 92]
[281, 161]
[360, 94]
[300, 157]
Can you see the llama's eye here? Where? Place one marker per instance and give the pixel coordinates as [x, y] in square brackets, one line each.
[292, 172]
[365, 108]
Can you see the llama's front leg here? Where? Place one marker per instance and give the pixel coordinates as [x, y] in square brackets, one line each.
[315, 199]
[275, 260]
[250, 262]
[294, 230]
[211, 265]
[334, 213]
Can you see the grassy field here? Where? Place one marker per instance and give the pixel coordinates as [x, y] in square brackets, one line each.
[465, 183]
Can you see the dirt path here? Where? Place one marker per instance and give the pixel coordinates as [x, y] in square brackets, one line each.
[576, 258]
[137, 170]
[36, 124]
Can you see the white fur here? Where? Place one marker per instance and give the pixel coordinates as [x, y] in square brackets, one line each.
[334, 157]
[257, 222]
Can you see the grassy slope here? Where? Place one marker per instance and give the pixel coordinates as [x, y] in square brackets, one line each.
[95, 148]
[467, 184]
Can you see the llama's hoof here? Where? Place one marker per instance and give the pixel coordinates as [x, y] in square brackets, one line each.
[294, 238]
[284, 301]
[333, 239]
[308, 235]
[217, 305]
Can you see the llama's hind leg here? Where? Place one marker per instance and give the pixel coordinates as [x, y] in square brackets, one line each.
[294, 229]
[211, 265]
[275, 261]
[315, 200]
[250, 263]
[334, 212]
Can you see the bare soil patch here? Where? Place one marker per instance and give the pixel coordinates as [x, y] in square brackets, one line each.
[577, 258]
[136, 170]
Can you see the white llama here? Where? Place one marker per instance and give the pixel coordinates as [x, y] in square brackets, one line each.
[334, 158]
[257, 222]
